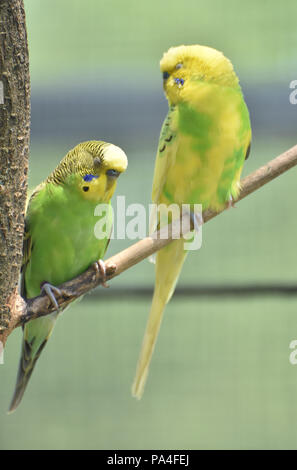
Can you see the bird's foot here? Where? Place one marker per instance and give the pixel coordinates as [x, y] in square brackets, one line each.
[101, 268]
[230, 203]
[50, 291]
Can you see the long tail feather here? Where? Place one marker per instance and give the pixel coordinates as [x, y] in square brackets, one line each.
[26, 366]
[169, 262]
[36, 335]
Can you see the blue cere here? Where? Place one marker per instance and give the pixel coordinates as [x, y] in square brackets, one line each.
[90, 177]
[165, 75]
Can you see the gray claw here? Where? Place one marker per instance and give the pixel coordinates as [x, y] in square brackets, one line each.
[101, 269]
[231, 203]
[49, 289]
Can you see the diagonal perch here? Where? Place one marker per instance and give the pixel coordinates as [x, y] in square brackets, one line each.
[40, 306]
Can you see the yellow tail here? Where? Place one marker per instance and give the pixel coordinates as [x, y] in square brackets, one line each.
[169, 262]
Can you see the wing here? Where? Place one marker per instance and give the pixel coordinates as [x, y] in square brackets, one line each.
[27, 242]
[165, 158]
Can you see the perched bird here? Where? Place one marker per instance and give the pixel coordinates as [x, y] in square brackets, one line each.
[59, 241]
[204, 141]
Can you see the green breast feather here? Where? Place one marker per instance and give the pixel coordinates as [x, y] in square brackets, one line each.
[59, 241]
[63, 244]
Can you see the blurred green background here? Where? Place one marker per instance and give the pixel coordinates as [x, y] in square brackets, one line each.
[220, 376]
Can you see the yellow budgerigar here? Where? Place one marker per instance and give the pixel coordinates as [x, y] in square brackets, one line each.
[204, 142]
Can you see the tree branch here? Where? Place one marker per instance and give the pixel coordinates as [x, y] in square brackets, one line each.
[14, 148]
[40, 306]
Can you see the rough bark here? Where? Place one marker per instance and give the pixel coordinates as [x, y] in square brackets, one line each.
[14, 148]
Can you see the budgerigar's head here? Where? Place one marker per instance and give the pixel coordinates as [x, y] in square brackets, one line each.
[93, 168]
[184, 64]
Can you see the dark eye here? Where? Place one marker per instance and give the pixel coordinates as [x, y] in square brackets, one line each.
[113, 173]
[165, 75]
[86, 188]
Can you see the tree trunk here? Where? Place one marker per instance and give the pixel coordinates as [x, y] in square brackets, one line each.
[14, 149]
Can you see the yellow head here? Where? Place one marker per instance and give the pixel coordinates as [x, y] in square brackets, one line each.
[92, 168]
[184, 64]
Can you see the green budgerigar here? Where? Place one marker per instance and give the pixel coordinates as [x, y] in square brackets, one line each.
[204, 142]
[60, 241]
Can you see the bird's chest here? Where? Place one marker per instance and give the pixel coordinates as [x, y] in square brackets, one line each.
[207, 157]
[63, 245]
